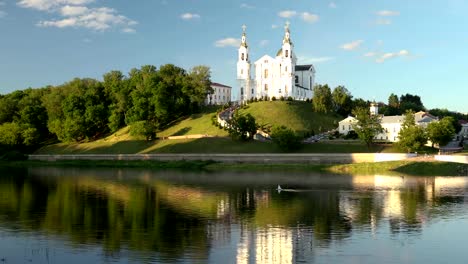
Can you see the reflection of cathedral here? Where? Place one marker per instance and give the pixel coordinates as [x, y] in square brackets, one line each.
[274, 77]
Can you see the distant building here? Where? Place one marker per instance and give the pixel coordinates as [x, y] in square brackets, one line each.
[391, 124]
[221, 94]
[278, 77]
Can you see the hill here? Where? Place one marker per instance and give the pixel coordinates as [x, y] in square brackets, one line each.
[296, 115]
[293, 114]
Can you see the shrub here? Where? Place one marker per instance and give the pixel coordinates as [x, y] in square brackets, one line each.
[242, 127]
[290, 98]
[285, 138]
[351, 135]
[273, 98]
[143, 128]
[282, 98]
[308, 100]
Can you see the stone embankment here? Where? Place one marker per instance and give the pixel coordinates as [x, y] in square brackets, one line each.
[452, 158]
[236, 158]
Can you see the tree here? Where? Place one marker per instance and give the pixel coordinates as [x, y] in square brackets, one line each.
[342, 100]
[285, 138]
[368, 126]
[199, 85]
[242, 127]
[441, 132]
[411, 102]
[411, 137]
[393, 106]
[322, 100]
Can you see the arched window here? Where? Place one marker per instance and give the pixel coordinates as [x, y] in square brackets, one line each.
[242, 90]
[287, 53]
[266, 87]
[265, 74]
[242, 56]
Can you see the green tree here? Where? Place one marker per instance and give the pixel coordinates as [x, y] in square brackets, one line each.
[285, 138]
[441, 132]
[322, 100]
[411, 102]
[393, 106]
[368, 126]
[342, 100]
[242, 127]
[117, 92]
[411, 137]
[199, 85]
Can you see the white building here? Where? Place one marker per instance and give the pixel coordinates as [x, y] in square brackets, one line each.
[221, 94]
[274, 77]
[391, 124]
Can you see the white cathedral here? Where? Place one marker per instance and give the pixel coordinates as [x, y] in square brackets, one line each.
[274, 77]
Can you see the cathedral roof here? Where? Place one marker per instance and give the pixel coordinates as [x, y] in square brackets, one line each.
[303, 67]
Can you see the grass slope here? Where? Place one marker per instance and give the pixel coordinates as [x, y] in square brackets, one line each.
[295, 115]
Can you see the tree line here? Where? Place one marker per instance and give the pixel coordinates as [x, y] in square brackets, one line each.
[85, 109]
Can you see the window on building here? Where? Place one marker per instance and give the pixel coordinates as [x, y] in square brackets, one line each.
[242, 56]
[242, 71]
[343, 127]
[265, 73]
[286, 69]
[296, 79]
[252, 91]
[279, 91]
[349, 127]
[287, 53]
[242, 90]
[310, 82]
[266, 87]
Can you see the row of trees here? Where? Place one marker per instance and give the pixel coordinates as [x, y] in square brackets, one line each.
[148, 98]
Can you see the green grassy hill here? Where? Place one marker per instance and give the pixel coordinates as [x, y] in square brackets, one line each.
[295, 115]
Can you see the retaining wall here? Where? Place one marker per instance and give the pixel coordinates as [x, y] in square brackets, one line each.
[237, 158]
[452, 158]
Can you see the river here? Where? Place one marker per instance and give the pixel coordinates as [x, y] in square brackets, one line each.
[83, 215]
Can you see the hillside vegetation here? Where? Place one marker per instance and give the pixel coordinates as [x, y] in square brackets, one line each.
[293, 114]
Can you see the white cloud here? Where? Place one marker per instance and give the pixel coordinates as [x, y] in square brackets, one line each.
[332, 5]
[388, 13]
[99, 19]
[287, 13]
[47, 5]
[352, 45]
[227, 42]
[315, 59]
[75, 14]
[247, 6]
[390, 55]
[370, 54]
[310, 18]
[383, 21]
[189, 16]
[73, 10]
[263, 43]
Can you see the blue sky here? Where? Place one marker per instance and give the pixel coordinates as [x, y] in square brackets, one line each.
[374, 48]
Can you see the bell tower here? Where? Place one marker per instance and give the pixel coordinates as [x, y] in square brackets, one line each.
[243, 69]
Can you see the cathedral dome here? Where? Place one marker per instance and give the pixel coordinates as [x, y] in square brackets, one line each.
[280, 52]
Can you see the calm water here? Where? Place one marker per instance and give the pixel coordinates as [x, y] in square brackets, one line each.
[55, 215]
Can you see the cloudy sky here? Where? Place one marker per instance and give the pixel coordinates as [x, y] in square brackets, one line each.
[374, 48]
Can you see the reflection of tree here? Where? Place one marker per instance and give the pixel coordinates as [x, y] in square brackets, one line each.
[90, 214]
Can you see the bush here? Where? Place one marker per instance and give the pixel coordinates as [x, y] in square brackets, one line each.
[351, 135]
[143, 128]
[290, 98]
[282, 98]
[285, 138]
[273, 98]
[308, 100]
[242, 127]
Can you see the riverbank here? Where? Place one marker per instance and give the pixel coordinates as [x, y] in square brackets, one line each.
[407, 167]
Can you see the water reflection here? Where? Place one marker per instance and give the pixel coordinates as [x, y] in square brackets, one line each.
[200, 217]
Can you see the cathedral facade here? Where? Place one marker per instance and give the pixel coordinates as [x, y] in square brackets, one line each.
[277, 77]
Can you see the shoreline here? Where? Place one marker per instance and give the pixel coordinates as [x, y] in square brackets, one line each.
[411, 167]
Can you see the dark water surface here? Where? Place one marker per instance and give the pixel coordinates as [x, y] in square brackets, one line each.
[57, 215]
